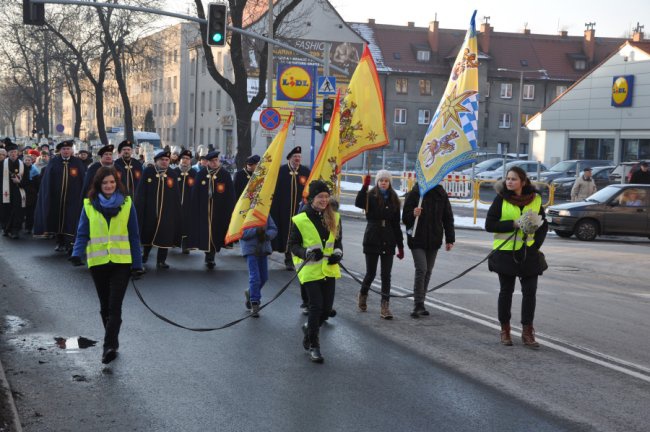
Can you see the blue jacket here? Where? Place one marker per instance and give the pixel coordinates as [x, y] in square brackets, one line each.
[250, 244]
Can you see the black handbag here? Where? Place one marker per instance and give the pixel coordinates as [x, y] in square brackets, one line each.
[543, 265]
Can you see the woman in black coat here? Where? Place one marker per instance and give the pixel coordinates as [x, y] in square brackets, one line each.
[383, 234]
[518, 257]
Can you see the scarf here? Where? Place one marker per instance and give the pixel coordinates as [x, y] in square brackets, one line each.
[109, 207]
[6, 195]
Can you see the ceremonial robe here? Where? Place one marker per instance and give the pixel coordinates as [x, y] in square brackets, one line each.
[286, 201]
[12, 205]
[185, 183]
[241, 181]
[130, 174]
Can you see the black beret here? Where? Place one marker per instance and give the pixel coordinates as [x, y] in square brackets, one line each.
[316, 187]
[295, 150]
[212, 155]
[7, 141]
[10, 146]
[125, 143]
[108, 148]
[161, 154]
[251, 160]
[67, 143]
[187, 153]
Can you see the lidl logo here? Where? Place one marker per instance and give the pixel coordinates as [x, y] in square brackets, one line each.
[622, 88]
[294, 83]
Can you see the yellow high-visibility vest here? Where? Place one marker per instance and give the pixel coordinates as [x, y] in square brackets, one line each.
[512, 212]
[108, 243]
[315, 270]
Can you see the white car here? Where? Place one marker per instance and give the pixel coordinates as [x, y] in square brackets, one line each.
[527, 165]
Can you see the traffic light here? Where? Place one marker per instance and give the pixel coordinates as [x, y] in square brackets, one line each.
[33, 13]
[318, 124]
[217, 19]
[328, 109]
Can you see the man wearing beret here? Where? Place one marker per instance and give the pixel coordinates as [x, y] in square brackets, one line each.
[243, 175]
[85, 157]
[186, 177]
[13, 180]
[286, 200]
[105, 160]
[59, 199]
[158, 203]
[213, 201]
[130, 169]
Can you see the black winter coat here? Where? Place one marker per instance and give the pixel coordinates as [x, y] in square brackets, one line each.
[383, 231]
[524, 262]
[436, 219]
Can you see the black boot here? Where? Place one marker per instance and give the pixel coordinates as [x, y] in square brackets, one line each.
[305, 337]
[109, 355]
[314, 350]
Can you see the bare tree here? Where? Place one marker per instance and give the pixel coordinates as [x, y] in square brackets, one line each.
[15, 102]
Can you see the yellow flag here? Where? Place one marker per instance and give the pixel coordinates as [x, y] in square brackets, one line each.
[363, 123]
[327, 164]
[252, 208]
[450, 140]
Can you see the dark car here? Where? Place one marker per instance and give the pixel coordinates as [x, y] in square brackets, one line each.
[563, 185]
[569, 168]
[615, 210]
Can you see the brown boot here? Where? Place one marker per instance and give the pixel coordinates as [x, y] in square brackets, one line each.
[385, 311]
[528, 336]
[505, 335]
[362, 302]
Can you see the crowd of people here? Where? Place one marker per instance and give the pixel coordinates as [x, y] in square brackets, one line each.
[112, 213]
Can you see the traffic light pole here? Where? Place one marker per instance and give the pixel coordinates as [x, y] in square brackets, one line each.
[194, 19]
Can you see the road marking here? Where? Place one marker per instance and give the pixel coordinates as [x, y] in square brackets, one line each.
[574, 350]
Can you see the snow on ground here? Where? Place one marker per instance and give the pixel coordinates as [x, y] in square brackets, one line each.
[459, 221]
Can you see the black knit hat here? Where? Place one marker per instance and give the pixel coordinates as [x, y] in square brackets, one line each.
[125, 143]
[316, 187]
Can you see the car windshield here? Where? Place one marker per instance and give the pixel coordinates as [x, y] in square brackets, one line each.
[563, 166]
[603, 195]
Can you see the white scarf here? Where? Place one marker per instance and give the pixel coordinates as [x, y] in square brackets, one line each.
[6, 196]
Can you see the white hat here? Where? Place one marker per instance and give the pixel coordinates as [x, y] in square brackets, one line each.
[383, 174]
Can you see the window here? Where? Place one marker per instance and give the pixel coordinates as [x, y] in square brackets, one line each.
[218, 104]
[173, 134]
[580, 65]
[399, 145]
[400, 116]
[202, 103]
[504, 121]
[175, 82]
[201, 136]
[169, 83]
[175, 59]
[506, 91]
[424, 116]
[203, 65]
[216, 138]
[425, 87]
[169, 109]
[529, 92]
[191, 137]
[401, 86]
[559, 90]
[193, 67]
[229, 141]
[525, 118]
[160, 84]
[487, 90]
[191, 102]
[209, 136]
[210, 103]
[155, 110]
[174, 108]
[423, 56]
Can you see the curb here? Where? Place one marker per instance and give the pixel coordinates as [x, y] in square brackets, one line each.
[13, 414]
[360, 217]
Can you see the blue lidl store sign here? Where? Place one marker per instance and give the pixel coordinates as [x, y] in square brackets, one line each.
[622, 89]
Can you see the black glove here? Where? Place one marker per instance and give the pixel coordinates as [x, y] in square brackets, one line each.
[75, 261]
[334, 259]
[137, 273]
[315, 254]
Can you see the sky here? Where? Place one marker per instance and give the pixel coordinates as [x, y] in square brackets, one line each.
[613, 19]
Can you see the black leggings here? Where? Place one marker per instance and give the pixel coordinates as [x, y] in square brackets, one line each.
[321, 299]
[371, 272]
[111, 281]
[528, 300]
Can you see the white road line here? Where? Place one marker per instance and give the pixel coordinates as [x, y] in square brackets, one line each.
[571, 349]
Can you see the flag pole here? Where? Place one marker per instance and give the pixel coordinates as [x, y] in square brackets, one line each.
[368, 174]
[415, 225]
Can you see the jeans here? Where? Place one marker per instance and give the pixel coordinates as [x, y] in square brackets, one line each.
[258, 274]
[371, 272]
[528, 299]
[111, 281]
[321, 299]
[424, 261]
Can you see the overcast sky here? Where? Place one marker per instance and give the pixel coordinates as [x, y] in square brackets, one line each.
[612, 18]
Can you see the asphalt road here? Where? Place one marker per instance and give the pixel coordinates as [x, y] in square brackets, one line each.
[444, 372]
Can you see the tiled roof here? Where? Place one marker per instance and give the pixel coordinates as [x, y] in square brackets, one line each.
[645, 46]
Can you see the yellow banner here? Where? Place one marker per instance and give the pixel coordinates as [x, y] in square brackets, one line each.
[363, 123]
[252, 208]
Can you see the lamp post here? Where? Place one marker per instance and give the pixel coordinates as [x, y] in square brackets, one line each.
[521, 73]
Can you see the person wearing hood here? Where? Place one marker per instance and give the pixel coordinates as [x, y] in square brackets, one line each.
[108, 236]
[316, 241]
[383, 234]
[516, 253]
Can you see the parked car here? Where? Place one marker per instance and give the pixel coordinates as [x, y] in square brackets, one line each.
[615, 210]
[563, 185]
[529, 166]
[625, 169]
[569, 168]
[487, 165]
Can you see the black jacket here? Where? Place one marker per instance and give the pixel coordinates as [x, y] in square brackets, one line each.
[523, 262]
[436, 219]
[640, 177]
[383, 231]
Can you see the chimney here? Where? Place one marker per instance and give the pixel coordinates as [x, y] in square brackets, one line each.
[484, 37]
[433, 36]
[589, 42]
[637, 36]
[563, 34]
[410, 24]
[371, 21]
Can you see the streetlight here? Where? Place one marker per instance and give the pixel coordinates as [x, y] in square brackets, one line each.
[521, 96]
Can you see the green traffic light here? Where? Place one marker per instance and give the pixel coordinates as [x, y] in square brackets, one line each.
[326, 127]
[217, 37]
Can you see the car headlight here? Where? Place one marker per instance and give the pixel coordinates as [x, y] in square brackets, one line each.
[564, 213]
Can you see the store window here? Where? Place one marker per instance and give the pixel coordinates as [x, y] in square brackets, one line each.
[591, 148]
[635, 149]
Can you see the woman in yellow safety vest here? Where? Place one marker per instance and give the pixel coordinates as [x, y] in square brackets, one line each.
[518, 256]
[108, 236]
[316, 235]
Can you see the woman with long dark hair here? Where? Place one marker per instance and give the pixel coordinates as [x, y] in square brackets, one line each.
[514, 211]
[108, 235]
[383, 234]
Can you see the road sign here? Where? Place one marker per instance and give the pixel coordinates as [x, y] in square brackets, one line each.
[60, 128]
[270, 118]
[327, 85]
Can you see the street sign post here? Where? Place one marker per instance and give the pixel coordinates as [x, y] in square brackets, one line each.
[326, 85]
[270, 118]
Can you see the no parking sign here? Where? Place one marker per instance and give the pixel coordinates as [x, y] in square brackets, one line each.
[270, 118]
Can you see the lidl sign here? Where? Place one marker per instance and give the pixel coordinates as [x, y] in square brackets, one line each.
[295, 82]
[622, 89]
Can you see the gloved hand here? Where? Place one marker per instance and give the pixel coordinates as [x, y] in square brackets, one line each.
[75, 261]
[529, 222]
[366, 181]
[335, 258]
[137, 273]
[314, 254]
[400, 252]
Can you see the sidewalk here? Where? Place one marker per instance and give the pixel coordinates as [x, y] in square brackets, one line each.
[9, 421]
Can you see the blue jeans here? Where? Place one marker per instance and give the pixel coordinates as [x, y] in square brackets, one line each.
[258, 274]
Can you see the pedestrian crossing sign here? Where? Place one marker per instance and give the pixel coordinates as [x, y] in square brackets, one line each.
[326, 85]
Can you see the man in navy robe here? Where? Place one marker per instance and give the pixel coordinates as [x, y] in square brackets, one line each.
[130, 169]
[105, 160]
[186, 179]
[243, 175]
